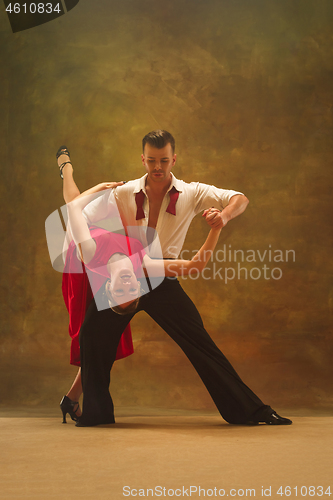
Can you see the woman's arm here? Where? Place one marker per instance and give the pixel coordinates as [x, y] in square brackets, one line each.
[183, 267]
[80, 230]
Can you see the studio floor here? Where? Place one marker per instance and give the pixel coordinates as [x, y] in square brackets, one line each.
[160, 454]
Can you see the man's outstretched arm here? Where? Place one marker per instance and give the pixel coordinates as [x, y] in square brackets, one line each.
[235, 207]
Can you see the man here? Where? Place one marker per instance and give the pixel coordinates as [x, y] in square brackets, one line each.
[160, 201]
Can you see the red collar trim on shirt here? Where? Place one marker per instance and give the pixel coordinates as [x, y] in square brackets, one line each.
[171, 208]
[139, 199]
[174, 195]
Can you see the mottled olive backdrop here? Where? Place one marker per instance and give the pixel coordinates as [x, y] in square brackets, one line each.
[246, 88]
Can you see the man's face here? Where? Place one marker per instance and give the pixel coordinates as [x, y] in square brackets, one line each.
[158, 162]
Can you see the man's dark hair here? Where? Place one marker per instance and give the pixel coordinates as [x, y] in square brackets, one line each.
[158, 139]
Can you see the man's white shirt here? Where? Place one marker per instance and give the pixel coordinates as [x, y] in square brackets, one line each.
[193, 198]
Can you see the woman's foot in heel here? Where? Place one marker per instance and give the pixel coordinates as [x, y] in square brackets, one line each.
[63, 158]
[70, 407]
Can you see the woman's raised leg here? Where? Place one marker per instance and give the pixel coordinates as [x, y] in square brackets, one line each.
[70, 191]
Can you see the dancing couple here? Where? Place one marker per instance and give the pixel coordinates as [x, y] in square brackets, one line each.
[121, 273]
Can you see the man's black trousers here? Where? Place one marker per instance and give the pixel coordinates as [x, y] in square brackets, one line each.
[174, 311]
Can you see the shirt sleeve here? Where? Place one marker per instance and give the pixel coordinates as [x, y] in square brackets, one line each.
[101, 208]
[210, 196]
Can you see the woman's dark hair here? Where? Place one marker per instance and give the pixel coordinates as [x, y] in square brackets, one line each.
[130, 309]
[158, 139]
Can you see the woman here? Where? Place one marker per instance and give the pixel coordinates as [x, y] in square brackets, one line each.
[114, 261]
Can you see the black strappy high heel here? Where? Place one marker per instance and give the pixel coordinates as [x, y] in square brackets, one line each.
[63, 151]
[70, 407]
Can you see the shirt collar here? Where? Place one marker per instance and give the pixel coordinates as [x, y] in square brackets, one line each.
[140, 184]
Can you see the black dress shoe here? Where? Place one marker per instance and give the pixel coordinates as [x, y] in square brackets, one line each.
[275, 419]
[80, 423]
[104, 421]
[267, 415]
